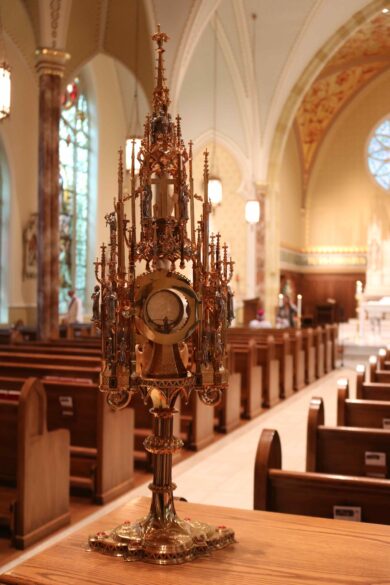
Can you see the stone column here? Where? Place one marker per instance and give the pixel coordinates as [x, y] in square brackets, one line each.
[50, 68]
[260, 244]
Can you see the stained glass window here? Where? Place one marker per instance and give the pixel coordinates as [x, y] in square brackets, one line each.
[74, 168]
[379, 154]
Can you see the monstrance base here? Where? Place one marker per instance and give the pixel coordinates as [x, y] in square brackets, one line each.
[171, 543]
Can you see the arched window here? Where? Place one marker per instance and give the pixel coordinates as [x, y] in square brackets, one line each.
[379, 154]
[74, 170]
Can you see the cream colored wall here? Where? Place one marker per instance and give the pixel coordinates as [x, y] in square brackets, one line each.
[229, 218]
[342, 196]
[19, 140]
[109, 129]
[292, 232]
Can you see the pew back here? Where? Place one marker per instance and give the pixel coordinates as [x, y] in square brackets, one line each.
[360, 413]
[314, 494]
[344, 450]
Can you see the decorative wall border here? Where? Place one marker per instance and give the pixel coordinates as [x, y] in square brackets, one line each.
[323, 257]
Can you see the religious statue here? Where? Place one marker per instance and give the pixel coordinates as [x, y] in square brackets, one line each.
[109, 350]
[96, 302]
[160, 124]
[183, 203]
[111, 301]
[230, 305]
[147, 202]
[122, 351]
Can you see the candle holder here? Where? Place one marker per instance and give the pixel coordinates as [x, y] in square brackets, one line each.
[163, 335]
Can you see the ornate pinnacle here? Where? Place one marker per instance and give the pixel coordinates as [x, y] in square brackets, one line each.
[178, 126]
[206, 162]
[120, 174]
[161, 92]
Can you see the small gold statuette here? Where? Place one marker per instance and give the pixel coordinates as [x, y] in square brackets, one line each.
[163, 336]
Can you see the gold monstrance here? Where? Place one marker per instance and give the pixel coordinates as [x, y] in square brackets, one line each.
[162, 335]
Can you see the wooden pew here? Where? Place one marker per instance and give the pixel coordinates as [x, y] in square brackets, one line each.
[242, 360]
[198, 419]
[360, 413]
[334, 335]
[310, 354]
[39, 348]
[60, 359]
[370, 390]
[374, 374]
[328, 348]
[280, 339]
[25, 370]
[229, 411]
[314, 494]
[101, 439]
[320, 351]
[383, 361]
[265, 356]
[197, 423]
[296, 339]
[343, 450]
[34, 466]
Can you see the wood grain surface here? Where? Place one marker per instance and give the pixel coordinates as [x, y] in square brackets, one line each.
[272, 549]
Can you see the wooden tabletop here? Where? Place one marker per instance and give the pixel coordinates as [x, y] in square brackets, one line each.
[272, 549]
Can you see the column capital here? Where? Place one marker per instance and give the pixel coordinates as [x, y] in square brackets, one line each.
[262, 189]
[51, 61]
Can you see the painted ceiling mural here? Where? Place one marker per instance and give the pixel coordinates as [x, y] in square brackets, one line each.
[362, 57]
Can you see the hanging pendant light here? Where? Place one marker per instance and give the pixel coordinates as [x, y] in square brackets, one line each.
[129, 150]
[252, 212]
[5, 90]
[5, 79]
[215, 189]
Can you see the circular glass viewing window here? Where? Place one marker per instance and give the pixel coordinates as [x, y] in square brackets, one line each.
[379, 154]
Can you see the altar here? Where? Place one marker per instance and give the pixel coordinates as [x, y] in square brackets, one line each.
[375, 311]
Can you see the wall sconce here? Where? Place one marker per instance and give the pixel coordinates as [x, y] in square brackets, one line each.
[252, 212]
[215, 191]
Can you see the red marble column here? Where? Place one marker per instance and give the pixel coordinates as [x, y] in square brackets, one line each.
[50, 67]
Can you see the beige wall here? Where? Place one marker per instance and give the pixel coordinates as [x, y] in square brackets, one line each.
[342, 196]
[109, 128]
[292, 232]
[19, 142]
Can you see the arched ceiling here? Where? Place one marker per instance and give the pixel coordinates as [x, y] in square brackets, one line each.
[360, 59]
[260, 64]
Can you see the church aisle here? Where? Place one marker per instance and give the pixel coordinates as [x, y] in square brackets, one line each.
[222, 474]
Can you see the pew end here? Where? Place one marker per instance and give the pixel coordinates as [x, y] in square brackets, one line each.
[268, 455]
[316, 418]
[41, 463]
[342, 396]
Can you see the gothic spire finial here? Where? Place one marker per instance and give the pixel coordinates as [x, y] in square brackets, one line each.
[161, 92]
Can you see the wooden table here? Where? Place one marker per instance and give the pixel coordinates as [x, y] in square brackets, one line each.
[272, 549]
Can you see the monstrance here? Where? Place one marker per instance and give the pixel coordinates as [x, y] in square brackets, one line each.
[163, 335]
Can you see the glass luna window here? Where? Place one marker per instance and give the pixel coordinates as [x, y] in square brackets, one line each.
[73, 204]
[379, 154]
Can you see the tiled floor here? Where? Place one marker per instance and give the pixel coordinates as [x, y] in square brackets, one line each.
[222, 474]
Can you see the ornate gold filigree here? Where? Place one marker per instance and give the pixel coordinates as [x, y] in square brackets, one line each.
[163, 336]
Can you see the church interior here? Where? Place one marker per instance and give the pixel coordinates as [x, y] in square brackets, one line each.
[194, 286]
